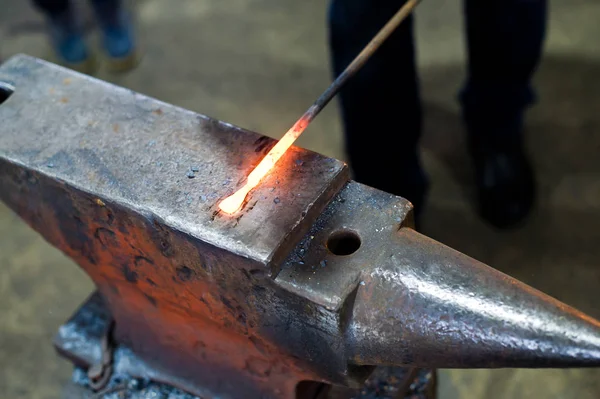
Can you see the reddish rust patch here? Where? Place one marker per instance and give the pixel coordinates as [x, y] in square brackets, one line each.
[185, 273]
[157, 111]
[161, 296]
[116, 128]
[64, 100]
[151, 299]
[151, 282]
[258, 367]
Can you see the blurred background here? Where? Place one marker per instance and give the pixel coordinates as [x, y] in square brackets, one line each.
[259, 64]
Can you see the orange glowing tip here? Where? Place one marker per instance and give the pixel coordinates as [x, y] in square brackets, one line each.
[234, 202]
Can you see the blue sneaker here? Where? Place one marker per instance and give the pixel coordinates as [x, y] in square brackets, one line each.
[69, 44]
[119, 42]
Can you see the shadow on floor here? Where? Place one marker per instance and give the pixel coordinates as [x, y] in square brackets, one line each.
[557, 250]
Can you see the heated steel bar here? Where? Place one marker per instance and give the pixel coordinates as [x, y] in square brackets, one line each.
[234, 202]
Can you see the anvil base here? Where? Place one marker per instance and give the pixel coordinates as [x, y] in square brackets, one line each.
[79, 341]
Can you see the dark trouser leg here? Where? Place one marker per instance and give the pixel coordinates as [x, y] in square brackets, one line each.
[505, 39]
[66, 34]
[52, 8]
[380, 106]
[118, 36]
[107, 11]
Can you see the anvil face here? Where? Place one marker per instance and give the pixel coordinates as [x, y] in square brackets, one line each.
[317, 278]
[169, 162]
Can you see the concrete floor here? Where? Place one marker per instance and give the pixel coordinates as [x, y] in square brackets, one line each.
[258, 64]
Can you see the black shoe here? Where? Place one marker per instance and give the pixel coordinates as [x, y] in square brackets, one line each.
[505, 184]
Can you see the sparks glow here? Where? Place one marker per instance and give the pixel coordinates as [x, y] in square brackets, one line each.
[234, 202]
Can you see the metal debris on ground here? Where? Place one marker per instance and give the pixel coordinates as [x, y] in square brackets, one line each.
[122, 386]
[391, 383]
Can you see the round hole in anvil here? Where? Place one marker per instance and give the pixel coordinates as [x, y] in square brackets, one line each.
[343, 242]
[5, 91]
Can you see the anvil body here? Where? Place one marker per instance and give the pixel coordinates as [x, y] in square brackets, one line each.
[317, 278]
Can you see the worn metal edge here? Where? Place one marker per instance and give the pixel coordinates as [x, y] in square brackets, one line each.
[273, 261]
[144, 212]
[302, 227]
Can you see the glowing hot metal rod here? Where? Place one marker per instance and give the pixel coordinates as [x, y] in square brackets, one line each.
[234, 202]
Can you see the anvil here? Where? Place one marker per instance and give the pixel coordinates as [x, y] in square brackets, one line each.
[317, 278]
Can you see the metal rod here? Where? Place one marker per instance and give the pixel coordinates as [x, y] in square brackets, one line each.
[358, 62]
[234, 202]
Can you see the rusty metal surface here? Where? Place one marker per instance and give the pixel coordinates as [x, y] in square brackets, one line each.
[80, 340]
[101, 173]
[318, 287]
[163, 160]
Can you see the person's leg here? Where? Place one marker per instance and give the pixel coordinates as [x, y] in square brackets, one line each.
[380, 106]
[117, 33]
[65, 33]
[52, 7]
[505, 40]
